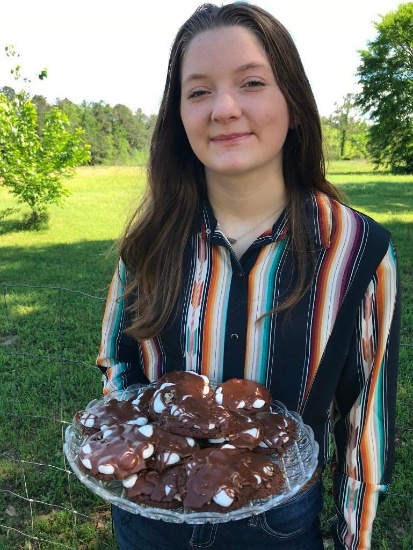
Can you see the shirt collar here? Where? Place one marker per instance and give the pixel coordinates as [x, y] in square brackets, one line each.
[319, 216]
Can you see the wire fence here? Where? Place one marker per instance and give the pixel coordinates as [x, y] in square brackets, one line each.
[48, 343]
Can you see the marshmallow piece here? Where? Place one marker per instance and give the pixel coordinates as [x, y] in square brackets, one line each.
[106, 469]
[146, 430]
[166, 385]
[219, 440]
[86, 463]
[253, 432]
[218, 396]
[87, 449]
[130, 481]
[222, 498]
[175, 410]
[147, 453]
[158, 405]
[87, 421]
[141, 421]
[138, 398]
[170, 458]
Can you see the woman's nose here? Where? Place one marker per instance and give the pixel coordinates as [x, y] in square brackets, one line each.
[225, 107]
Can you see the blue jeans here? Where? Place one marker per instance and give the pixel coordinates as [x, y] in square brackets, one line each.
[293, 525]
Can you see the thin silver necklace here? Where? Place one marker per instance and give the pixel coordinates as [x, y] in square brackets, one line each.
[233, 240]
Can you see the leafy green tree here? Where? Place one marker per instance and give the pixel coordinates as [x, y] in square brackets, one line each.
[72, 111]
[345, 132]
[35, 159]
[8, 92]
[386, 77]
[42, 107]
[97, 121]
[33, 166]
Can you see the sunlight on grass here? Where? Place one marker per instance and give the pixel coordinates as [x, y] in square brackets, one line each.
[24, 310]
[100, 201]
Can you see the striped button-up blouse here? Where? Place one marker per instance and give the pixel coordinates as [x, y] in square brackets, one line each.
[332, 357]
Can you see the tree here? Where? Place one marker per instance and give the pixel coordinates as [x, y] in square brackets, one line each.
[33, 166]
[8, 92]
[42, 107]
[33, 160]
[347, 139]
[386, 78]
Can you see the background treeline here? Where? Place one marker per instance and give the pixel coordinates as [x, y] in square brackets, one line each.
[118, 136]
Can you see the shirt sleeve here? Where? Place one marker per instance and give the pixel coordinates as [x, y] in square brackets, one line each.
[365, 428]
[119, 355]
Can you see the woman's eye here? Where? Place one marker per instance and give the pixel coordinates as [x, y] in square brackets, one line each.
[254, 83]
[196, 93]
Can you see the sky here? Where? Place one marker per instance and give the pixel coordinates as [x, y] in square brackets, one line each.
[116, 51]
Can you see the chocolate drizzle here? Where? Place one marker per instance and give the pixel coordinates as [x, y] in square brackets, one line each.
[279, 432]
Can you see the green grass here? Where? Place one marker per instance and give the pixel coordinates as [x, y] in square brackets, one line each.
[49, 339]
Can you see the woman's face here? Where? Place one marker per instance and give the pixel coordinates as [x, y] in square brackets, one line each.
[234, 114]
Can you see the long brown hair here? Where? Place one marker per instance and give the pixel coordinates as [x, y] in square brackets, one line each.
[153, 243]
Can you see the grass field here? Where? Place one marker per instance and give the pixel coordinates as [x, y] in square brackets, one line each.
[53, 282]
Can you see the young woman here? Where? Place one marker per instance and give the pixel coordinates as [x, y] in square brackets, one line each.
[243, 262]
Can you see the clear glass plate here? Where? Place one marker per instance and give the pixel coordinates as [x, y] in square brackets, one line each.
[298, 465]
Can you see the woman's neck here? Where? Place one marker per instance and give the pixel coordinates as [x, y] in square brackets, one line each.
[241, 201]
[246, 209]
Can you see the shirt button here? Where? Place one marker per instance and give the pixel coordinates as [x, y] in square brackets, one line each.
[241, 275]
[234, 337]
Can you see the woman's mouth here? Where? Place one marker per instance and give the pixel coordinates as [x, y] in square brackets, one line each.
[230, 138]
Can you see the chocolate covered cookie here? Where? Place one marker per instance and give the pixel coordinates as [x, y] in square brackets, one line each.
[187, 378]
[114, 453]
[198, 418]
[158, 489]
[280, 432]
[113, 411]
[243, 396]
[225, 479]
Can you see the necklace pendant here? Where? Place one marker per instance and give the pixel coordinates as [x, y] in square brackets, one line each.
[231, 241]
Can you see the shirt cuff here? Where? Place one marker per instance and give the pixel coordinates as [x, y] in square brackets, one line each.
[356, 504]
